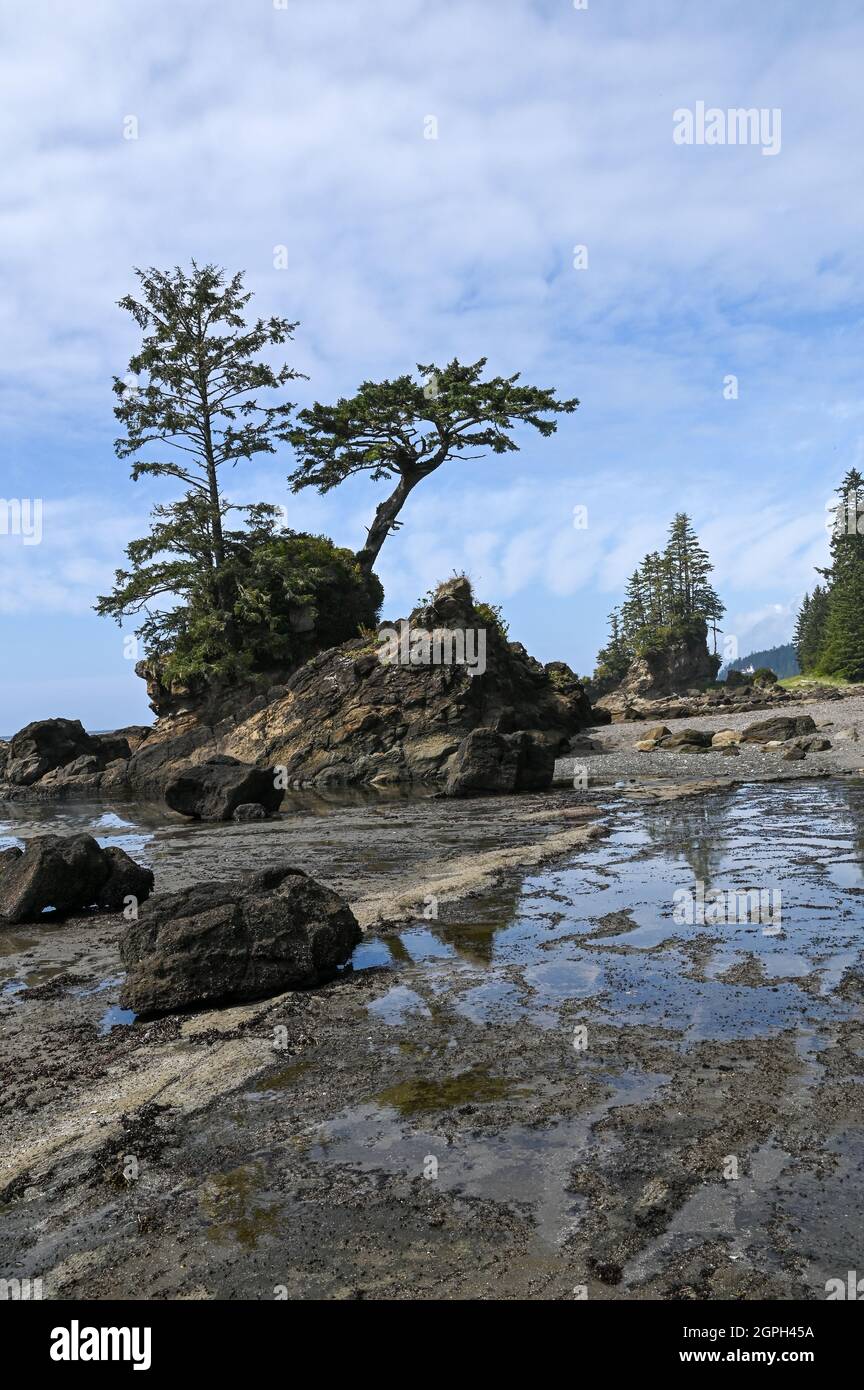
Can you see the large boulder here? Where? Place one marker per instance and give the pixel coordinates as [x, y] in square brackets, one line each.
[779, 729]
[686, 738]
[44, 745]
[69, 873]
[213, 790]
[57, 757]
[219, 943]
[484, 762]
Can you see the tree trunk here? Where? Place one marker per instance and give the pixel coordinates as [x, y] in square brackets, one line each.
[385, 515]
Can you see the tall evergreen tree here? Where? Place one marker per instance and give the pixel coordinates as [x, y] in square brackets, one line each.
[842, 649]
[211, 599]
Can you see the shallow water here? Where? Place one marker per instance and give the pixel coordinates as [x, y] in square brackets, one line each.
[548, 939]
[654, 969]
[459, 1042]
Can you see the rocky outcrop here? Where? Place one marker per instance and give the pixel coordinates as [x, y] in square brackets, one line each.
[620, 707]
[682, 661]
[353, 714]
[219, 943]
[53, 758]
[68, 874]
[221, 786]
[45, 745]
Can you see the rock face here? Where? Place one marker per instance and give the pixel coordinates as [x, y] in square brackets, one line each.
[681, 662]
[225, 942]
[69, 874]
[348, 716]
[215, 789]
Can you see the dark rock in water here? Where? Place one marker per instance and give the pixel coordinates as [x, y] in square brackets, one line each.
[68, 873]
[781, 727]
[213, 790]
[249, 811]
[126, 879]
[44, 745]
[225, 942]
[485, 762]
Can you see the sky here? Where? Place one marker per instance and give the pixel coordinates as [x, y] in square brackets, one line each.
[413, 181]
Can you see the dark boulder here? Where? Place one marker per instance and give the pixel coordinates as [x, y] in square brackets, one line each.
[125, 880]
[220, 943]
[214, 789]
[687, 738]
[68, 873]
[781, 727]
[535, 761]
[44, 745]
[485, 761]
[249, 811]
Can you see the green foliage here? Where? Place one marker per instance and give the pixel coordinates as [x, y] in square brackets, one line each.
[829, 633]
[764, 676]
[669, 597]
[198, 398]
[407, 429]
[780, 659]
[490, 615]
[285, 595]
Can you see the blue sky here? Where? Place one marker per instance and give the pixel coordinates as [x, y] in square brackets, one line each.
[304, 127]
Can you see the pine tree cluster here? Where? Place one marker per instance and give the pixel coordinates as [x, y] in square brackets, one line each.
[669, 595]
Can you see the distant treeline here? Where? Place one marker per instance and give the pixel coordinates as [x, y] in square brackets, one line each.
[781, 660]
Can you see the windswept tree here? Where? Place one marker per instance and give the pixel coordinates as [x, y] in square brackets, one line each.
[406, 429]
